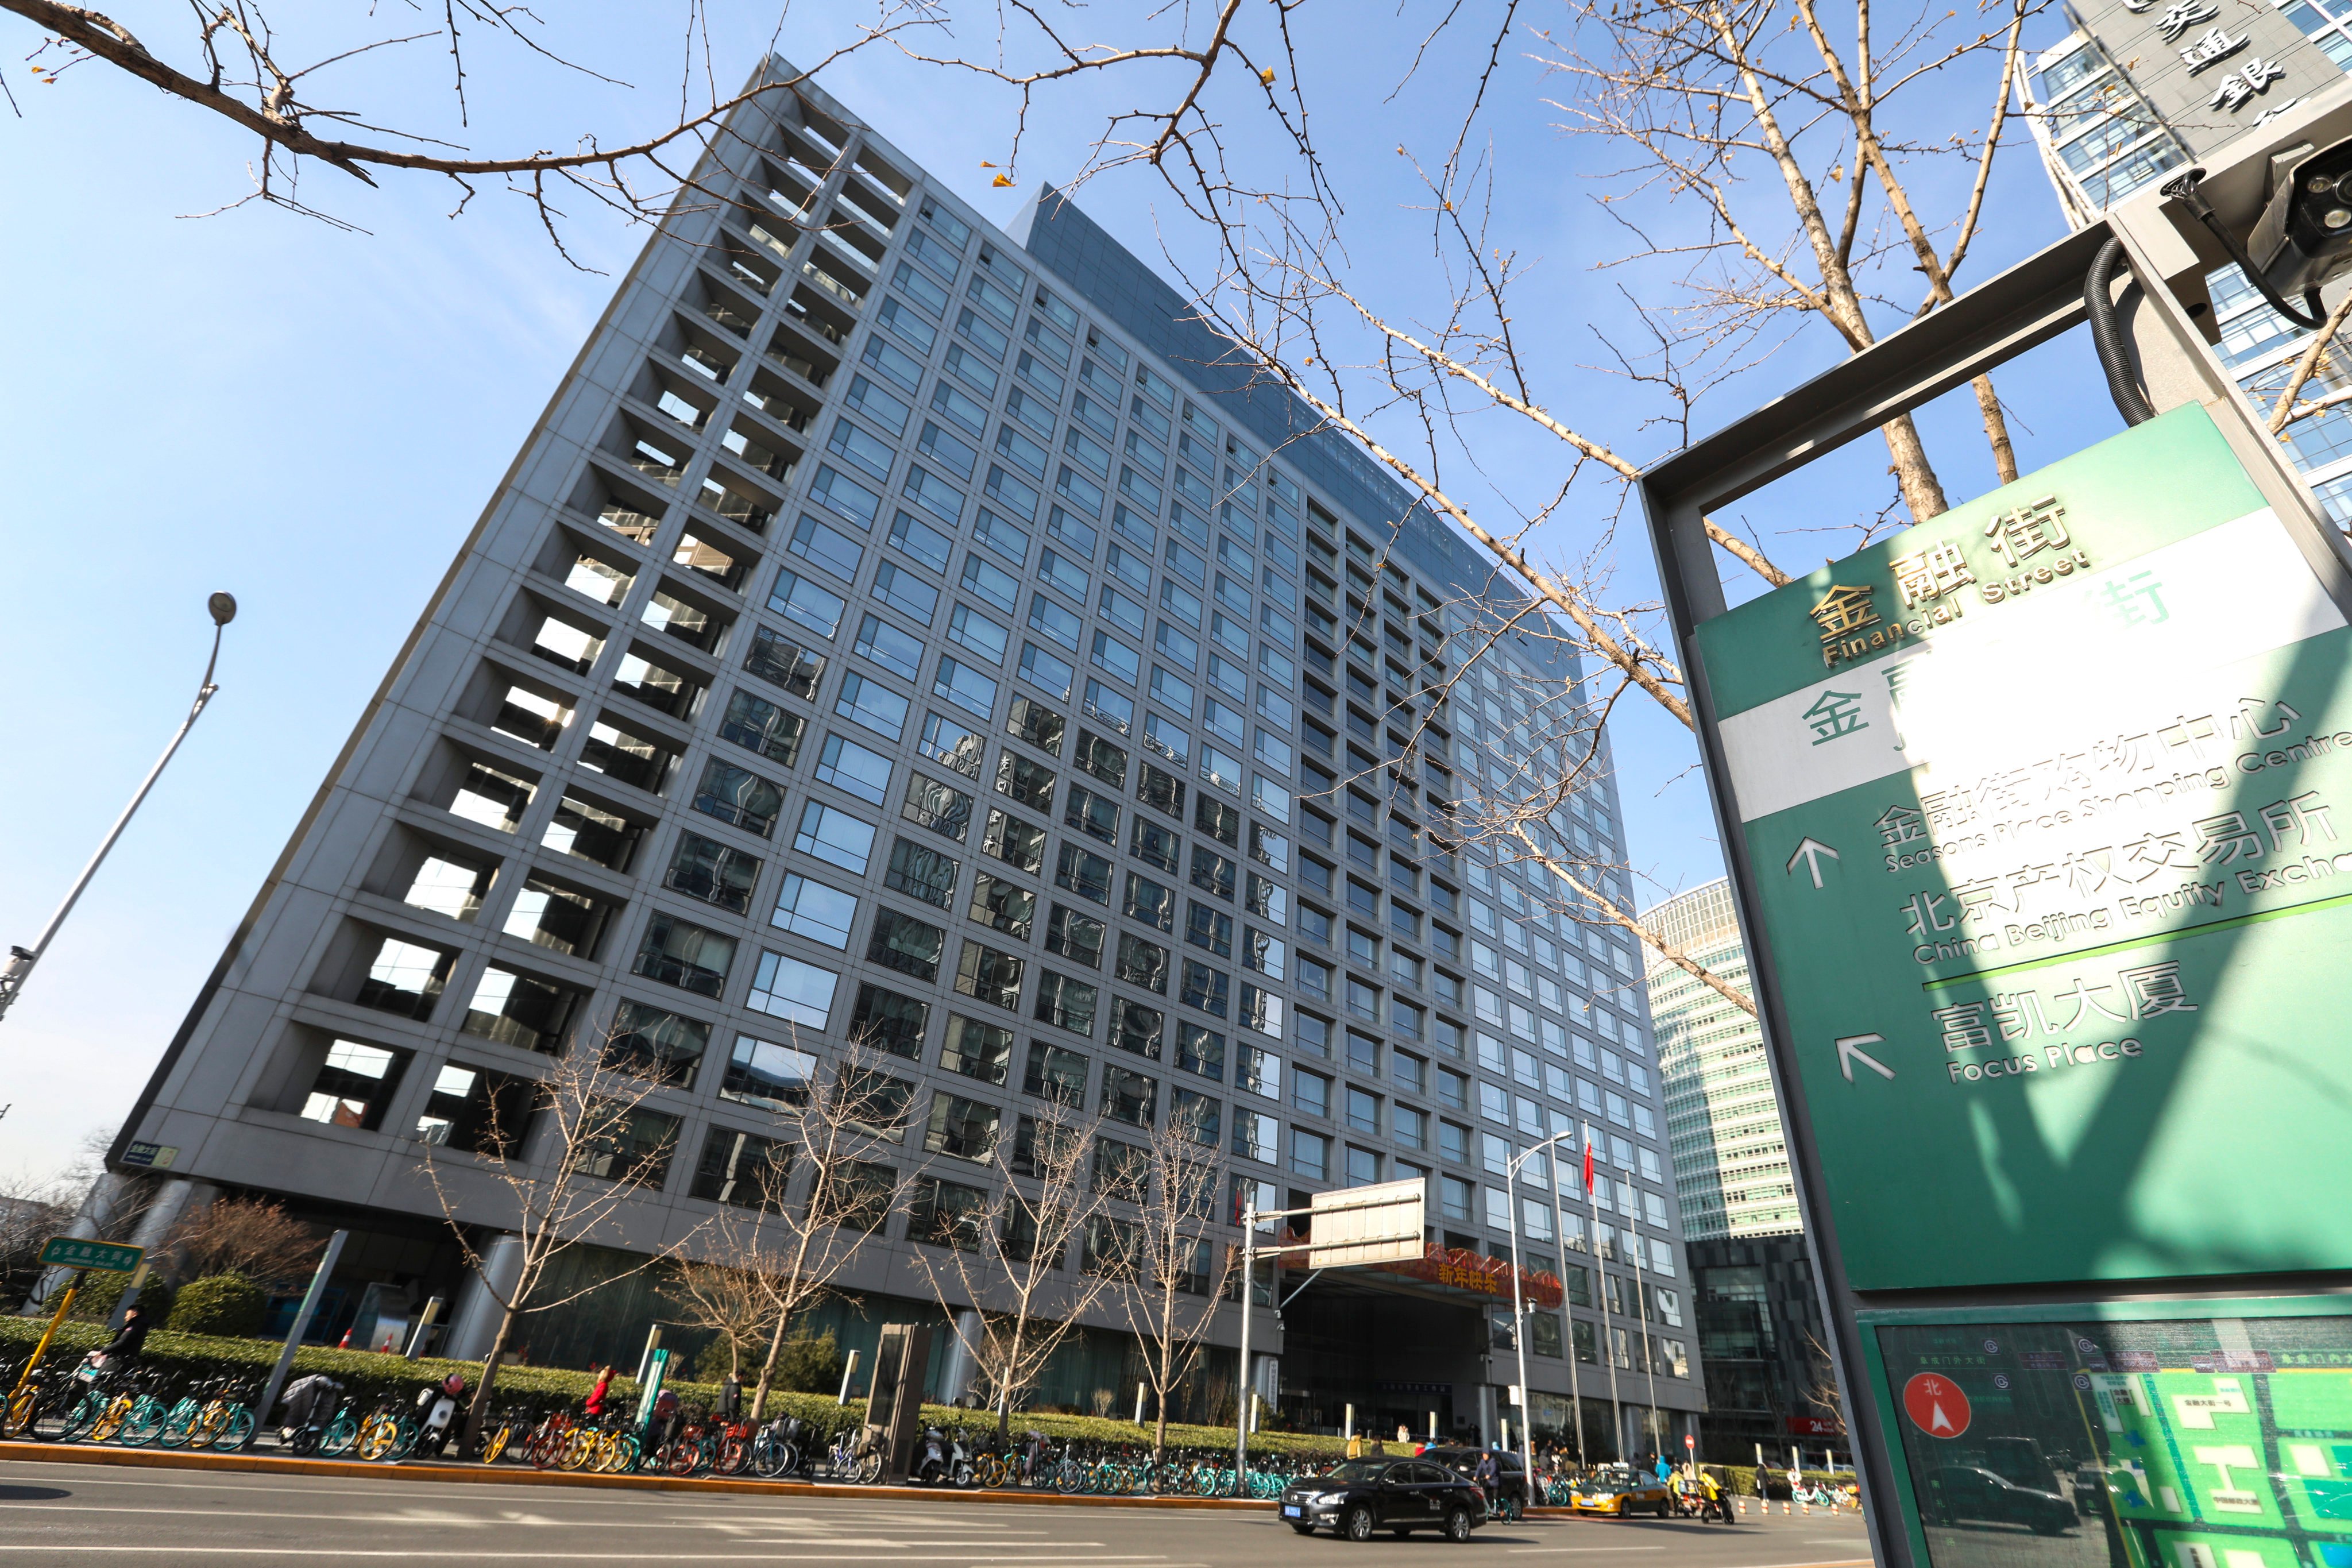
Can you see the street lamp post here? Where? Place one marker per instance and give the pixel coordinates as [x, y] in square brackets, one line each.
[20, 962]
[1567, 1317]
[1519, 1311]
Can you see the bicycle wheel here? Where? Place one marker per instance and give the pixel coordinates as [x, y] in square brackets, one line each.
[377, 1434]
[340, 1434]
[19, 1414]
[145, 1422]
[497, 1445]
[405, 1434]
[81, 1417]
[206, 1425]
[869, 1468]
[177, 1425]
[110, 1420]
[734, 1457]
[235, 1431]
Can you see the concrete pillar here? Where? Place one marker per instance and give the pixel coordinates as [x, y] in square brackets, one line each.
[475, 1323]
[176, 1198]
[1485, 1415]
[956, 1368]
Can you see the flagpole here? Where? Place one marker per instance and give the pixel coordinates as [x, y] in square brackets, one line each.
[1608, 1332]
[1567, 1319]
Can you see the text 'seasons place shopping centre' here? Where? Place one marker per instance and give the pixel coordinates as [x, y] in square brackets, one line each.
[845, 569]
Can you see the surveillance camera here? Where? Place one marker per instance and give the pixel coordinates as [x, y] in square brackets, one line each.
[2304, 237]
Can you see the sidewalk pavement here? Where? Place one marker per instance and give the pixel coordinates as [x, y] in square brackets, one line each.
[524, 1475]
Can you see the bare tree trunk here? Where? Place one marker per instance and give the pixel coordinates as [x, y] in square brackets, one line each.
[1915, 475]
[768, 1367]
[1996, 423]
[478, 1411]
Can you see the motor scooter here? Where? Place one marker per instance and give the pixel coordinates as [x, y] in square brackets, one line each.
[437, 1416]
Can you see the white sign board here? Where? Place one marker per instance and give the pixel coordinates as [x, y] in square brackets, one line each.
[1368, 1224]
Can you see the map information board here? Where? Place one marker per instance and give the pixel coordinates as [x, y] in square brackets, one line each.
[2048, 807]
[2188, 1443]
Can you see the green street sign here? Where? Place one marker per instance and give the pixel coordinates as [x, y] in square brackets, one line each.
[2047, 804]
[73, 1252]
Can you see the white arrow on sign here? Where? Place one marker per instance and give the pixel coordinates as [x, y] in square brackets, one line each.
[1810, 852]
[1849, 1052]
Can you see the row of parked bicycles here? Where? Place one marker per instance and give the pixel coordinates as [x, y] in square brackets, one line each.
[143, 1405]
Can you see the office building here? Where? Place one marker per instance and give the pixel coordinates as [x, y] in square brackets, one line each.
[901, 629]
[1759, 1309]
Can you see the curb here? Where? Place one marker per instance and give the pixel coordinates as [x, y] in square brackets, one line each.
[504, 1475]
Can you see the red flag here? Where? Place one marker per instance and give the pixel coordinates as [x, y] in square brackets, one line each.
[1588, 1168]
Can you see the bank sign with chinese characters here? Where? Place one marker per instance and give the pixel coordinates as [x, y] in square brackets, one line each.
[2048, 804]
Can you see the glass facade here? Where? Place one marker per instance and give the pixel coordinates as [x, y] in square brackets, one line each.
[949, 655]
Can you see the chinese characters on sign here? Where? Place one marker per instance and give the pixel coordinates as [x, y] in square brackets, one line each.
[2030, 547]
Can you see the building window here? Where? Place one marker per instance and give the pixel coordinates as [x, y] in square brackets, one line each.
[482, 1112]
[1128, 1096]
[743, 1169]
[516, 1010]
[946, 1213]
[404, 978]
[884, 1020]
[977, 1050]
[1056, 1074]
[653, 1042]
[739, 796]
[921, 873]
[1065, 1002]
[1310, 1154]
[902, 942]
[690, 957]
[630, 1144]
[815, 910]
[790, 989]
[760, 1072]
[988, 976]
[707, 870]
[962, 1129]
[1136, 1028]
[1003, 905]
[355, 1084]
[833, 835]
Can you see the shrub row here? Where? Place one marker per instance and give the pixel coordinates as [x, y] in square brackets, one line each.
[368, 1377]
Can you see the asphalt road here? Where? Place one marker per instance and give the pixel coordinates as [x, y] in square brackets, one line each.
[61, 1514]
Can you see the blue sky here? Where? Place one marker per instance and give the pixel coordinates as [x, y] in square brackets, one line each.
[312, 417]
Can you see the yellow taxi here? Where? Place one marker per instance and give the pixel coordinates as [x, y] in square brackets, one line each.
[1622, 1490]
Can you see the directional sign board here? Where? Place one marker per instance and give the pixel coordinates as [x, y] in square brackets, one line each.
[74, 1252]
[1379, 1223]
[2048, 817]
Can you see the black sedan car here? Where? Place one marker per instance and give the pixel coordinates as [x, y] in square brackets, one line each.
[1958, 1493]
[1399, 1496]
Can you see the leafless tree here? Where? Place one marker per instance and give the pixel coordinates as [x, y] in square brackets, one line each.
[1170, 1273]
[837, 1136]
[1005, 1252]
[252, 1236]
[290, 93]
[1779, 173]
[721, 1297]
[560, 1175]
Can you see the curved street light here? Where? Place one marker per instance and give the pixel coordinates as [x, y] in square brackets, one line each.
[20, 966]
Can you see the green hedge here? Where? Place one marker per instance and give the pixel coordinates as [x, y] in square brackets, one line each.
[369, 1376]
[1741, 1478]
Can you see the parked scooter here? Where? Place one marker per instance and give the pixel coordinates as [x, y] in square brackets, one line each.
[940, 1459]
[437, 1412]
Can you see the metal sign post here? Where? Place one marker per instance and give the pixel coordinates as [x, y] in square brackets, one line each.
[302, 1316]
[1348, 1228]
[2023, 808]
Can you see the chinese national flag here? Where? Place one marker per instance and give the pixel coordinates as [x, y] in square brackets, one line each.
[1588, 1168]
